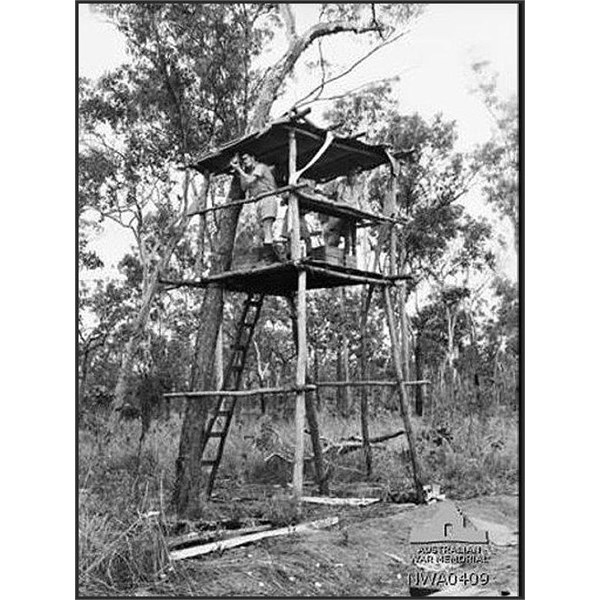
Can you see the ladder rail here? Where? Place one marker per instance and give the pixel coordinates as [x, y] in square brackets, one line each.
[231, 363]
[224, 407]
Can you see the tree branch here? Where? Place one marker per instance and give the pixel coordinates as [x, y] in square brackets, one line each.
[276, 74]
[305, 99]
[355, 90]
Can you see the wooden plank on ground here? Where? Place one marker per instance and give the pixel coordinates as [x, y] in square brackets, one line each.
[340, 501]
[249, 539]
[196, 536]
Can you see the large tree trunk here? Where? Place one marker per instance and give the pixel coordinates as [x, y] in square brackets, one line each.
[188, 493]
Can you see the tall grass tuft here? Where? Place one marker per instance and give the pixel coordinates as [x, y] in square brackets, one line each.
[122, 504]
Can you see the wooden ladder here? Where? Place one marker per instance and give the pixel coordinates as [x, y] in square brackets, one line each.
[218, 423]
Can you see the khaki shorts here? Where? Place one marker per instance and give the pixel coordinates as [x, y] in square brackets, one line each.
[267, 208]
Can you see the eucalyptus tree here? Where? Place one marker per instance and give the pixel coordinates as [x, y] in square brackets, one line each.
[441, 245]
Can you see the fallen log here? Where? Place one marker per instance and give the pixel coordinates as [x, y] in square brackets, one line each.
[338, 449]
[356, 443]
[222, 545]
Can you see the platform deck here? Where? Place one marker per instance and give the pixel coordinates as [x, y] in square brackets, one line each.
[281, 279]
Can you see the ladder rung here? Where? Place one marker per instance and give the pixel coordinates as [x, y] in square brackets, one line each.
[216, 434]
[223, 413]
[207, 463]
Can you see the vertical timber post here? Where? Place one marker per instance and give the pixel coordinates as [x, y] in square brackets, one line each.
[397, 358]
[404, 348]
[219, 359]
[364, 402]
[420, 389]
[301, 324]
[300, 383]
[311, 415]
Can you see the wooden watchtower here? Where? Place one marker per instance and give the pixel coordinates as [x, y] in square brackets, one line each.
[294, 147]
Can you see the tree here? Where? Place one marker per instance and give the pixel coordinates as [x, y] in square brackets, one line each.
[439, 241]
[179, 95]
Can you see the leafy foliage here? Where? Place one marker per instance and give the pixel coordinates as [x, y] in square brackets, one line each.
[497, 161]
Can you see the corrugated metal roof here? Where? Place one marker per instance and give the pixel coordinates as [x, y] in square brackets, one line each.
[270, 146]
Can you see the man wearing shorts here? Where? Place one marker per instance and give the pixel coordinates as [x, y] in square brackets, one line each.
[256, 178]
[343, 191]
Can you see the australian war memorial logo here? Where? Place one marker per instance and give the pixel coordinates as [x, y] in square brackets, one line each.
[448, 550]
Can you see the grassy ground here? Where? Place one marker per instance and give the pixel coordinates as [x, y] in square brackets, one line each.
[124, 507]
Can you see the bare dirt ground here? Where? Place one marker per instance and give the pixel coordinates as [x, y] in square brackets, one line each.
[350, 559]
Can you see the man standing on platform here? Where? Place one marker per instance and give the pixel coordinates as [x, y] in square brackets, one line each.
[257, 178]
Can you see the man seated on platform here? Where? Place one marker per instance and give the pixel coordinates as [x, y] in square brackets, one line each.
[305, 232]
[257, 178]
[343, 191]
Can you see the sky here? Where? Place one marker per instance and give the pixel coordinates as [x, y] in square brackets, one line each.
[433, 63]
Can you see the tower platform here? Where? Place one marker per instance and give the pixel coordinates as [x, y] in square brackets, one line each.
[281, 279]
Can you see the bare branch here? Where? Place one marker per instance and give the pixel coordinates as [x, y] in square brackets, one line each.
[354, 91]
[305, 99]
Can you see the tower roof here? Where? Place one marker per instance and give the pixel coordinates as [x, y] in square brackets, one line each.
[270, 146]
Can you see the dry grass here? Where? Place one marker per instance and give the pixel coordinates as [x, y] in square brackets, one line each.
[122, 550]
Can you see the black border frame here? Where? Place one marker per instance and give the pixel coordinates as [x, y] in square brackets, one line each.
[520, 281]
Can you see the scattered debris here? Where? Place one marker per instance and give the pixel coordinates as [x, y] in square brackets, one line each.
[340, 501]
[151, 514]
[222, 545]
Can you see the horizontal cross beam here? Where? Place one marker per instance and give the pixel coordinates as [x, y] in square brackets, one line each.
[238, 393]
[234, 203]
[368, 383]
